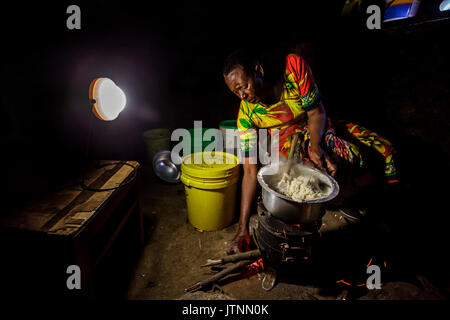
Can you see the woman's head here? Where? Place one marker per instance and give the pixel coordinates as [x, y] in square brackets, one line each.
[250, 76]
[243, 75]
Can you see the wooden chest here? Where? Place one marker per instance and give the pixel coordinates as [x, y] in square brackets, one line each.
[72, 226]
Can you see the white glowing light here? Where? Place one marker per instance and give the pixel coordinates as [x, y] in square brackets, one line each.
[445, 5]
[109, 99]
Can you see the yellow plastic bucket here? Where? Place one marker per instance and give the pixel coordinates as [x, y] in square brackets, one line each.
[210, 188]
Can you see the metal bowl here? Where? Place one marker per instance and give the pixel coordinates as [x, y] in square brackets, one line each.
[288, 209]
[164, 167]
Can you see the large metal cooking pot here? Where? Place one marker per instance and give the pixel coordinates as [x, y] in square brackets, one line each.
[286, 208]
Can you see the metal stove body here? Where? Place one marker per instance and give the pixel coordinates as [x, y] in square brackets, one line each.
[282, 243]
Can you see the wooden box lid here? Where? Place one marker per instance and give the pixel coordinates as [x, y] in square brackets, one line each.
[66, 210]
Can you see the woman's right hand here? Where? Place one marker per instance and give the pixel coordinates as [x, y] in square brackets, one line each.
[240, 243]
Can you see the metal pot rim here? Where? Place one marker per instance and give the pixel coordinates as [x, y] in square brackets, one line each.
[333, 182]
[165, 156]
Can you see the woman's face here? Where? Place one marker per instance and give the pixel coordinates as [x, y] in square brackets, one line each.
[246, 87]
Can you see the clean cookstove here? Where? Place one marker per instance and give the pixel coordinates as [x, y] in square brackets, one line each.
[281, 243]
[283, 249]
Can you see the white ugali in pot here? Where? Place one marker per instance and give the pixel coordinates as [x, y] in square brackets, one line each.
[288, 209]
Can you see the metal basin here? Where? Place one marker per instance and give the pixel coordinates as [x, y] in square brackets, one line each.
[288, 209]
[165, 169]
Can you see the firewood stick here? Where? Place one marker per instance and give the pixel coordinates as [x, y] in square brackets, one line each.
[217, 276]
[254, 254]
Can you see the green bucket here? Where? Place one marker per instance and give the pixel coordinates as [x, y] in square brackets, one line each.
[230, 135]
[156, 140]
[228, 124]
[196, 144]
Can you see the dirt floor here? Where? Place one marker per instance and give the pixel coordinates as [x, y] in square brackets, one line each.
[174, 250]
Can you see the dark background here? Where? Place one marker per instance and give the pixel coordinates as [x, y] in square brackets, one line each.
[168, 59]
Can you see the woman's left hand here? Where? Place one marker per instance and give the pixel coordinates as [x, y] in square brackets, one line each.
[317, 157]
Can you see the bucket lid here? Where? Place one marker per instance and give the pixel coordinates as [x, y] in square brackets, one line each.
[208, 168]
[228, 124]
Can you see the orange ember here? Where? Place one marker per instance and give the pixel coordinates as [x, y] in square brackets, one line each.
[342, 281]
[256, 266]
[362, 284]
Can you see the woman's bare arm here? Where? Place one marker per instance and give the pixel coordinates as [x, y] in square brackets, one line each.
[249, 184]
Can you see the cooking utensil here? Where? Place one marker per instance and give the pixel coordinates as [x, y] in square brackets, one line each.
[164, 167]
[288, 209]
[285, 176]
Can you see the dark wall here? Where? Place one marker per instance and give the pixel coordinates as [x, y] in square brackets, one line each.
[168, 59]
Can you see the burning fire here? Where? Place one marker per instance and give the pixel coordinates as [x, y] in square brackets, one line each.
[256, 266]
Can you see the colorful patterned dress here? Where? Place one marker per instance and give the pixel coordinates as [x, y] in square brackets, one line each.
[289, 116]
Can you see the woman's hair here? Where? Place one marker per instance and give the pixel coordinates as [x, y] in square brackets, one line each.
[243, 58]
[272, 61]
